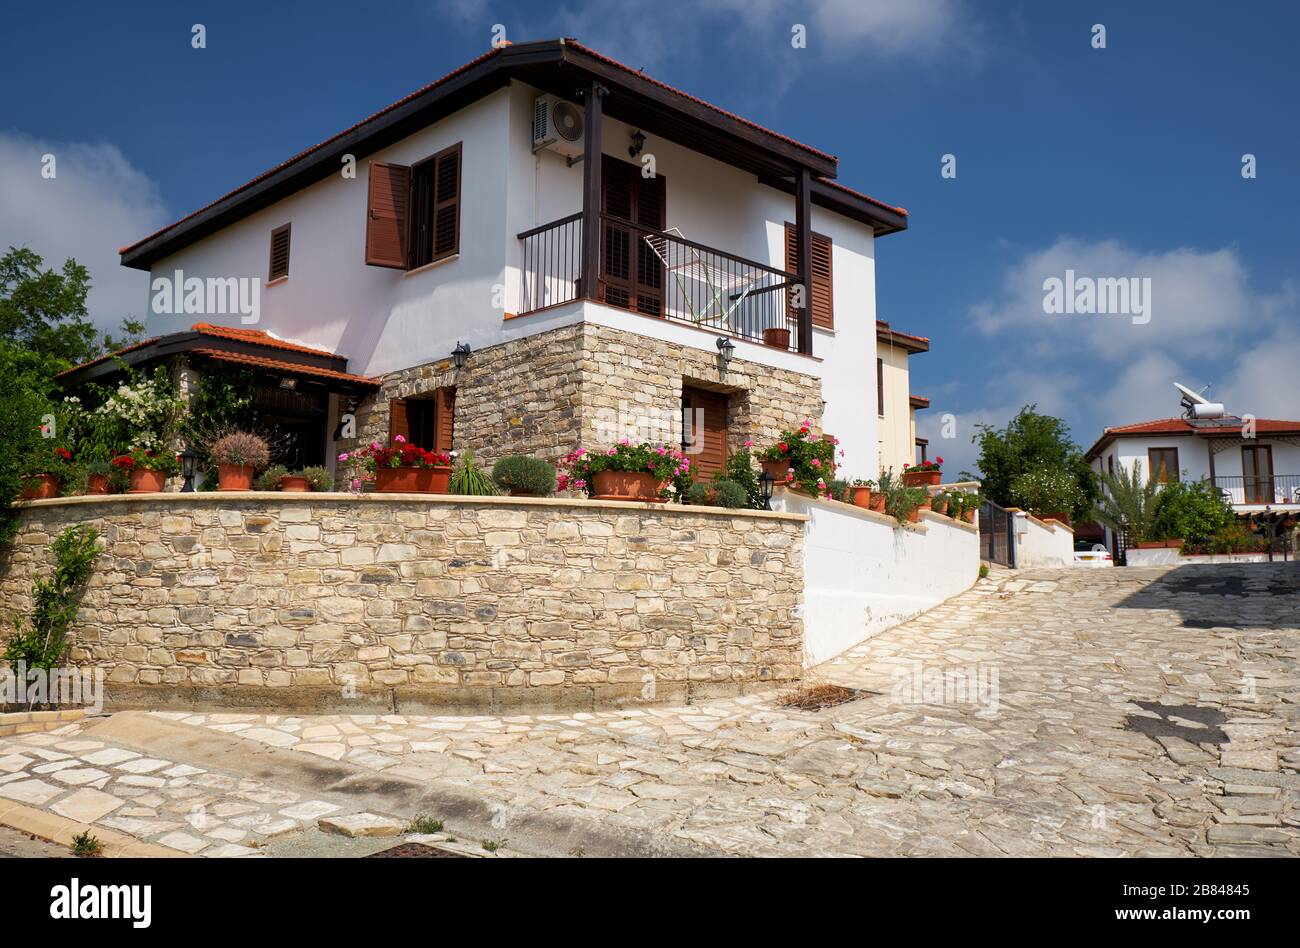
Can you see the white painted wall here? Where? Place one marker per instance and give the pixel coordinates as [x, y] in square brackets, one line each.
[864, 573]
[896, 432]
[1044, 544]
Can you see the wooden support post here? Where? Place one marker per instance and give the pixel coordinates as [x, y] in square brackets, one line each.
[591, 161]
[803, 240]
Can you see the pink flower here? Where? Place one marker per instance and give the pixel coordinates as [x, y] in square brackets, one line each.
[399, 439]
[343, 457]
[749, 444]
[580, 484]
[816, 463]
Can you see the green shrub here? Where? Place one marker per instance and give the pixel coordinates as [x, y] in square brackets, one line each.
[900, 500]
[1192, 511]
[425, 825]
[319, 478]
[729, 494]
[699, 494]
[740, 470]
[470, 479]
[270, 478]
[1046, 490]
[525, 474]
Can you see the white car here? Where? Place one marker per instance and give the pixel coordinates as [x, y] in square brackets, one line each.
[1097, 557]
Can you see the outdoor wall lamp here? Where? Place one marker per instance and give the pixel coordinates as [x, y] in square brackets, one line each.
[766, 482]
[638, 142]
[726, 349]
[460, 353]
[189, 461]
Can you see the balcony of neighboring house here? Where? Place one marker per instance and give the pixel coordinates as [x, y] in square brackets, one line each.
[1260, 490]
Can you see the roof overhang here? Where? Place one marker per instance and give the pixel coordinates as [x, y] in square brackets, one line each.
[561, 67]
[324, 367]
[902, 340]
[881, 218]
[918, 402]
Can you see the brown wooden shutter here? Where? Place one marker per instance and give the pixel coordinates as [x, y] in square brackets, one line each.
[651, 211]
[444, 418]
[279, 252]
[446, 203]
[711, 436]
[388, 215]
[823, 289]
[398, 424]
[880, 387]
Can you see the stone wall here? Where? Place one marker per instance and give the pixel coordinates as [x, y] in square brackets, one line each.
[549, 393]
[319, 600]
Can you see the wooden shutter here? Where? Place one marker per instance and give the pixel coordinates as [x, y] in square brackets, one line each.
[444, 418]
[880, 387]
[279, 253]
[388, 215]
[651, 209]
[631, 275]
[446, 203]
[706, 436]
[398, 424]
[823, 289]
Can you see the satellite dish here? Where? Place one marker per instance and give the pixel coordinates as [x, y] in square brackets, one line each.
[1188, 395]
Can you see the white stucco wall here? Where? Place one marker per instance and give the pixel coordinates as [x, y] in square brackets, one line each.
[896, 434]
[1044, 544]
[864, 573]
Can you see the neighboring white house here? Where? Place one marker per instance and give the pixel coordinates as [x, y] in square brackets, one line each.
[896, 406]
[596, 243]
[1255, 462]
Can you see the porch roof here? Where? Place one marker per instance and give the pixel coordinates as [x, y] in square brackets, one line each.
[253, 348]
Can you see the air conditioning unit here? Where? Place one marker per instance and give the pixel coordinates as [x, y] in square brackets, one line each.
[557, 125]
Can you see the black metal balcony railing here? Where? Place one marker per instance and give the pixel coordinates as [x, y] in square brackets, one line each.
[551, 264]
[660, 273]
[1277, 489]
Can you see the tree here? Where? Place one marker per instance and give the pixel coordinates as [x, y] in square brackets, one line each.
[25, 384]
[1031, 442]
[44, 311]
[1129, 503]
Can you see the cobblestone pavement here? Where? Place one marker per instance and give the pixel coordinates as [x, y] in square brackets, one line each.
[1070, 712]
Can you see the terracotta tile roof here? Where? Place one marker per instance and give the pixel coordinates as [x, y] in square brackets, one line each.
[258, 337]
[918, 401]
[1181, 426]
[289, 368]
[698, 101]
[866, 197]
[111, 355]
[887, 332]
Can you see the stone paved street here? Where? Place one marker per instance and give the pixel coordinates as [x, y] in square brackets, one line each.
[1070, 712]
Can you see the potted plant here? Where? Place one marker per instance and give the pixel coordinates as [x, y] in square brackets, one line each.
[47, 468]
[939, 502]
[776, 337]
[470, 479]
[97, 477]
[318, 479]
[147, 471]
[801, 460]
[924, 474]
[523, 475]
[270, 478]
[295, 484]
[861, 490]
[238, 456]
[402, 468]
[644, 472]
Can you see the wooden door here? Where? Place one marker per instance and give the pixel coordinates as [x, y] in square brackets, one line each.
[1257, 471]
[631, 275]
[704, 431]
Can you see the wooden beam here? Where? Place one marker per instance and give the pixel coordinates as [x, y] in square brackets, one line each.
[803, 241]
[591, 161]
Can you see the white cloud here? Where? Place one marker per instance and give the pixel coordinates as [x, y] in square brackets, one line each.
[96, 203]
[1208, 325]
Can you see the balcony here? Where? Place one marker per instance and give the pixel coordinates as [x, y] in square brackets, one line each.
[1260, 490]
[660, 274]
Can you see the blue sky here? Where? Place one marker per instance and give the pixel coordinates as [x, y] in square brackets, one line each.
[1123, 161]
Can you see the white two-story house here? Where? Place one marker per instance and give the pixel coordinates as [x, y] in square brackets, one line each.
[542, 249]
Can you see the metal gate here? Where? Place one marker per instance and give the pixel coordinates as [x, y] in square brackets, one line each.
[997, 534]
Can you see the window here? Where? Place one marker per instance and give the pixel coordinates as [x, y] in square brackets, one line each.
[279, 253]
[413, 213]
[880, 387]
[1110, 464]
[823, 293]
[427, 422]
[1162, 464]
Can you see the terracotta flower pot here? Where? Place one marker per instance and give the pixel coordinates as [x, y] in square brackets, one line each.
[412, 480]
[519, 492]
[96, 483]
[861, 497]
[939, 506]
[1173, 544]
[41, 487]
[778, 470]
[877, 501]
[625, 485]
[969, 515]
[1151, 545]
[234, 477]
[146, 481]
[914, 516]
[921, 478]
[776, 338]
[292, 484]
